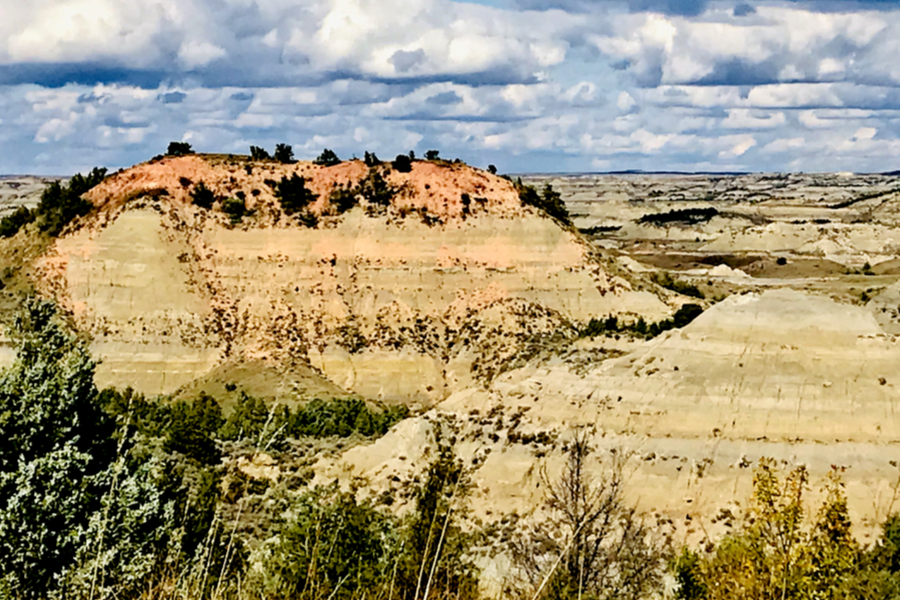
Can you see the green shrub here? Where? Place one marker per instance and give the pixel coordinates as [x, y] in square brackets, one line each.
[466, 202]
[436, 554]
[549, 201]
[343, 199]
[202, 196]
[259, 154]
[284, 153]
[432, 154]
[688, 579]
[293, 195]
[179, 149]
[235, 208]
[60, 204]
[57, 443]
[679, 287]
[193, 427]
[327, 159]
[11, 224]
[333, 544]
[402, 164]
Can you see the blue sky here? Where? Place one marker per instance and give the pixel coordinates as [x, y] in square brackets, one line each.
[528, 85]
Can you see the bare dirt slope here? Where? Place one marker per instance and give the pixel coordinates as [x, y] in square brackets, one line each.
[404, 303]
[779, 374]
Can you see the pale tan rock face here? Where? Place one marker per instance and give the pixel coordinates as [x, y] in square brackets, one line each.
[385, 306]
[779, 374]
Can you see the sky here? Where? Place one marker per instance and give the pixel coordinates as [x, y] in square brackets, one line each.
[527, 85]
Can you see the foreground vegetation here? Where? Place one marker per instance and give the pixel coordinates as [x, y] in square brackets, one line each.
[110, 494]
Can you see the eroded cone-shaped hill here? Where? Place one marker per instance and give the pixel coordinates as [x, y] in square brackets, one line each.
[448, 284]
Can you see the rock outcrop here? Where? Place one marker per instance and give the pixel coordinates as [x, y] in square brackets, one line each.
[446, 286]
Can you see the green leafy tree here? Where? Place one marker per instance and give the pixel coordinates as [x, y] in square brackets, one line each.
[260, 154]
[60, 204]
[126, 538]
[343, 417]
[432, 154]
[193, 429]
[56, 445]
[776, 552]
[284, 153]
[247, 419]
[327, 159]
[179, 149]
[402, 164]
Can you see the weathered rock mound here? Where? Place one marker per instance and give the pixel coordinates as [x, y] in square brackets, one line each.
[443, 288]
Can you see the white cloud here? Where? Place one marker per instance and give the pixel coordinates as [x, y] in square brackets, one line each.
[864, 133]
[783, 145]
[779, 44]
[739, 148]
[625, 101]
[743, 118]
[195, 54]
[534, 89]
[56, 129]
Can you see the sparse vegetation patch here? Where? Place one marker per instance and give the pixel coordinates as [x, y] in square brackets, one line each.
[676, 285]
[295, 199]
[612, 325]
[548, 200]
[59, 205]
[681, 216]
[327, 159]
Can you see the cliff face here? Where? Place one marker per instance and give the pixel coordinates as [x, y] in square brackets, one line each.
[448, 285]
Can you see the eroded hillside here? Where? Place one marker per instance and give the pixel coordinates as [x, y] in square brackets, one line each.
[441, 283]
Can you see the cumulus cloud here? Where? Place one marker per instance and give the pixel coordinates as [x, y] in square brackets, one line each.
[538, 85]
[275, 42]
[773, 44]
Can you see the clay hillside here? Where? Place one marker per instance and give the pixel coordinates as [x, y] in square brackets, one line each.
[289, 281]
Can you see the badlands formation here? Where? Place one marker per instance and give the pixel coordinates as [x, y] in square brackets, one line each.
[409, 303]
[795, 357]
[471, 307]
